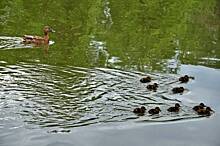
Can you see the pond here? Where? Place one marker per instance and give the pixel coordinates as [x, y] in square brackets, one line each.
[82, 88]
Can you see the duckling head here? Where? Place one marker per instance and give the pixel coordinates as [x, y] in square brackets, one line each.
[157, 109]
[209, 109]
[202, 104]
[177, 105]
[143, 108]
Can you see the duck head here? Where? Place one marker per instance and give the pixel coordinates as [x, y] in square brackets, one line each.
[143, 108]
[202, 104]
[177, 105]
[48, 29]
[209, 109]
[157, 109]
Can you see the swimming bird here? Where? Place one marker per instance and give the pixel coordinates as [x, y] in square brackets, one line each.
[28, 39]
[140, 110]
[152, 87]
[154, 111]
[205, 111]
[178, 90]
[198, 107]
[145, 79]
[175, 108]
[185, 79]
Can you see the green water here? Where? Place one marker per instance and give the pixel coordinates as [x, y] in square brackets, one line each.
[85, 84]
[141, 34]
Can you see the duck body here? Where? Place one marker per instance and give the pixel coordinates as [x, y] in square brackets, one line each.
[185, 79]
[176, 108]
[28, 39]
[199, 107]
[140, 110]
[145, 79]
[178, 90]
[205, 111]
[154, 111]
[152, 87]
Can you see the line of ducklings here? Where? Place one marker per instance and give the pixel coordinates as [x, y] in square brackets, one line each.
[156, 110]
[183, 79]
[200, 109]
[154, 86]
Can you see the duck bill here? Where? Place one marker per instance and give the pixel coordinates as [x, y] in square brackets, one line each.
[51, 30]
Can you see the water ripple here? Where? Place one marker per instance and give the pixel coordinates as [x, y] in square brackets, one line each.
[15, 43]
[51, 96]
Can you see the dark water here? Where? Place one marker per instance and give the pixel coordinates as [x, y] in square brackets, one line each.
[87, 78]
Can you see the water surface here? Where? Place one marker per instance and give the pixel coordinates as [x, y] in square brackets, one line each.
[87, 78]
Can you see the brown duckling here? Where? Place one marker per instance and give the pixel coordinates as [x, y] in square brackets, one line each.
[205, 111]
[198, 107]
[154, 111]
[145, 79]
[152, 87]
[175, 108]
[178, 90]
[140, 110]
[185, 79]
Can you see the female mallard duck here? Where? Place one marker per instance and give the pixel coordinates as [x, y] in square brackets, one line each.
[140, 110]
[154, 111]
[152, 87]
[176, 108]
[145, 79]
[28, 39]
[198, 107]
[185, 79]
[178, 90]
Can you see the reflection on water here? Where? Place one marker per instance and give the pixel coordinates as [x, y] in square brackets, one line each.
[12, 43]
[65, 97]
[144, 35]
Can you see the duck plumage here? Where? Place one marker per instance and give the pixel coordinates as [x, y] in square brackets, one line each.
[175, 108]
[154, 111]
[28, 39]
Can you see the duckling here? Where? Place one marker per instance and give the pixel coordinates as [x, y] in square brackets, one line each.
[178, 90]
[140, 110]
[185, 79]
[145, 79]
[154, 111]
[198, 107]
[28, 39]
[205, 111]
[174, 109]
[152, 87]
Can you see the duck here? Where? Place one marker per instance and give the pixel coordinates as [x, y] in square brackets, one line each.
[175, 108]
[140, 110]
[178, 90]
[146, 79]
[152, 87]
[205, 111]
[154, 111]
[28, 39]
[198, 107]
[185, 79]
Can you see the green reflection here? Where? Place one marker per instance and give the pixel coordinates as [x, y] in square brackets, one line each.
[143, 35]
